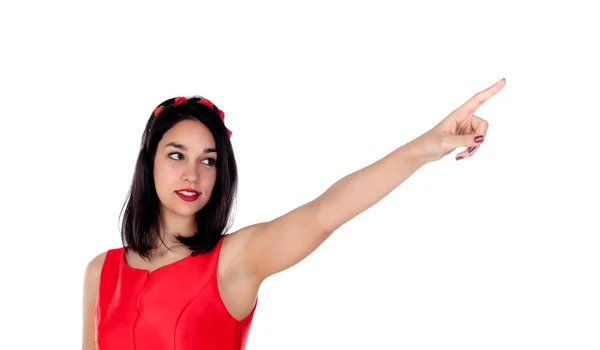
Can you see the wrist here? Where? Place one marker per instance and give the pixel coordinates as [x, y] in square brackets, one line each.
[416, 151]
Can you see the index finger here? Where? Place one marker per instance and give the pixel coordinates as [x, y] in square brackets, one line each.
[476, 101]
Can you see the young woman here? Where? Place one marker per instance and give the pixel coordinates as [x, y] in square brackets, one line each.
[179, 282]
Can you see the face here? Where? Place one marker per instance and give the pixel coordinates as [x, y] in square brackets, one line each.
[185, 168]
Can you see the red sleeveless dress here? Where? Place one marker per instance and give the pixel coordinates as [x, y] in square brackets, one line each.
[177, 306]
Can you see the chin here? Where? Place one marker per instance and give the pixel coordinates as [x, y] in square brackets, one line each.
[188, 209]
[184, 209]
[185, 212]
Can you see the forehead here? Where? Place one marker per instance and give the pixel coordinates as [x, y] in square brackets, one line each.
[191, 133]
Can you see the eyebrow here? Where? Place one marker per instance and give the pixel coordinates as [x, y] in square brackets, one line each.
[182, 147]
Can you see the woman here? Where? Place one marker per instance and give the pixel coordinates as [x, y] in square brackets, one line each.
[179, 282]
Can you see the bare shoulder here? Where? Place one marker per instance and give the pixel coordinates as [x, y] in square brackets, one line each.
[93, 271]
[231, 257]
[234, 251]
[94, 266]
[237, 287]
[90, 293]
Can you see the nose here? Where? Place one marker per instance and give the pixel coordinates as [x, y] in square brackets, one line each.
[190, 174]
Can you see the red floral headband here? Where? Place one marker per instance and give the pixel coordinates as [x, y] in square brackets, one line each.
[201, 100]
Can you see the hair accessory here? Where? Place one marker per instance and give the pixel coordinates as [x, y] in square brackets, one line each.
[179, 101]
[201, 100]
[157, 110]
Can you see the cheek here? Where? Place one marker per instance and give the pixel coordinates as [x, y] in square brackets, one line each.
[209, 178]
[163, 175]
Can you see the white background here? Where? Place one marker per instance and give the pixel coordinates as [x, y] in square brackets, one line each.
[500, 251]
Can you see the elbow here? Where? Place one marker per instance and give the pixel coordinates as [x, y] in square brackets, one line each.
[324, 218]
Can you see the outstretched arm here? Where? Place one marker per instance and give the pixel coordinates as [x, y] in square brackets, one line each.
[274, 246]
[271, 247]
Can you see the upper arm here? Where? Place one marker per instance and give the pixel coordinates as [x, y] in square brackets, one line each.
[271, 247]
[90, 293]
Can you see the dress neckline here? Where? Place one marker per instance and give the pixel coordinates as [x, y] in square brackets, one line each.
[148, 272]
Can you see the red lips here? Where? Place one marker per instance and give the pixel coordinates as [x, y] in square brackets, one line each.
[190, 195]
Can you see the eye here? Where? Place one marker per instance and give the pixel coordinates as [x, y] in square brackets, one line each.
[212, 161]
[175, 155]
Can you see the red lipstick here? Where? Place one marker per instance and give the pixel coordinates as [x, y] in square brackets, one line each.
[188, 194]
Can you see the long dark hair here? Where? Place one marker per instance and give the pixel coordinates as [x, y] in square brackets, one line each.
[141, 217]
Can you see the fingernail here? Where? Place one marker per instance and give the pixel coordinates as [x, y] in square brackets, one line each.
[479, 139]
[459, 158]
[472, 148]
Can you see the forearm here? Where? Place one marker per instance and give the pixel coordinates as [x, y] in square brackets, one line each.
[362, 189]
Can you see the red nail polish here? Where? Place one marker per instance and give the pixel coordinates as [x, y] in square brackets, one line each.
[479, 139]
[471, 149]
[459, 158]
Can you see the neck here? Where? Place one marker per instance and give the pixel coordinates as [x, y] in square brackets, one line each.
[170, 227]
